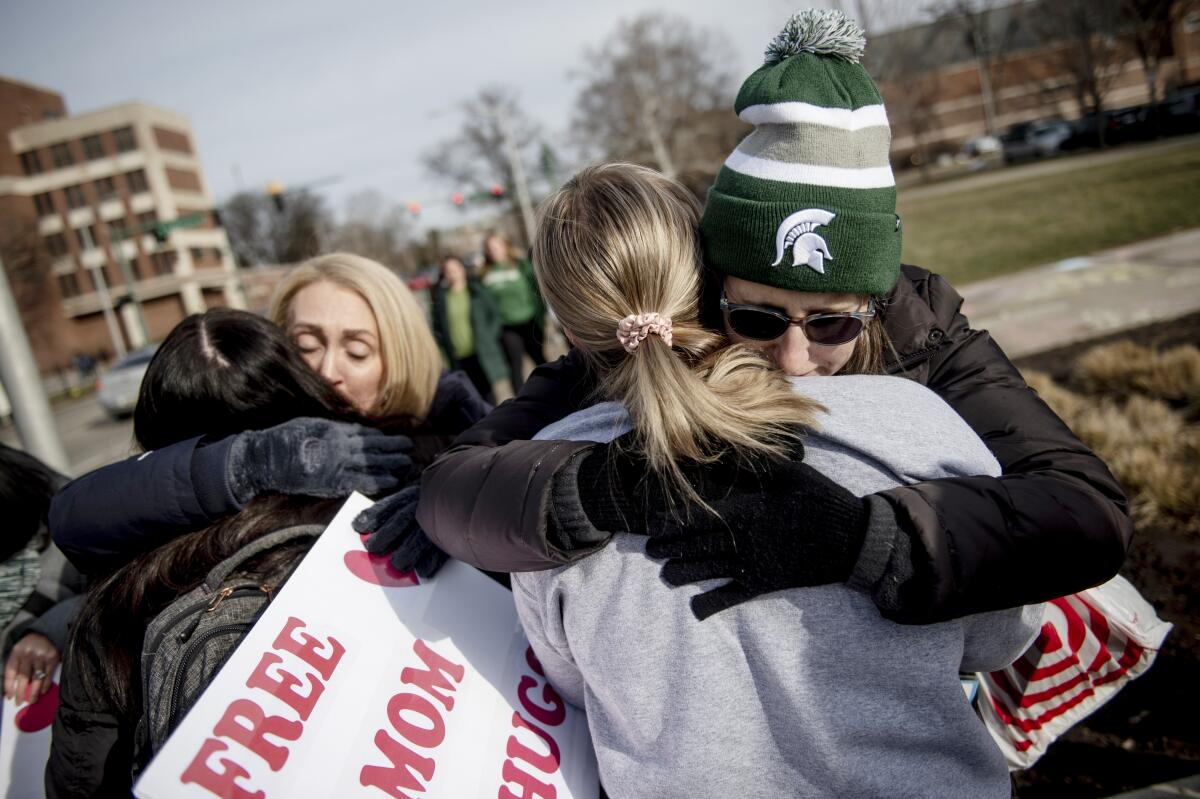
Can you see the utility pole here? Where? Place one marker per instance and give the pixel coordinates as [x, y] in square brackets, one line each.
[521, 185]
[106, 304]
[117, 237]
[23, 384]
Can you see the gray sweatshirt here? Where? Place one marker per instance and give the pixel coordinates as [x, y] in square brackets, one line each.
[805, 692]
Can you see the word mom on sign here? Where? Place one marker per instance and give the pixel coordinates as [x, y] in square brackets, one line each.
[360, 681]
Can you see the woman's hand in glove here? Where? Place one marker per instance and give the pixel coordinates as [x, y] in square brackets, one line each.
[317, 458]
[392, 525]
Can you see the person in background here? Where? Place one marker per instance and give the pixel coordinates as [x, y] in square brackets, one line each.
[39, 589]
[358, 326]
[467, 326]
[522, 314]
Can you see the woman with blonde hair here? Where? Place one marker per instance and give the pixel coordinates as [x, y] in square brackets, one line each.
[356, 324]
[806, 691]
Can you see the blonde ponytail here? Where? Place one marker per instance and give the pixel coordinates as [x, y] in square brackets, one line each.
[620, 239]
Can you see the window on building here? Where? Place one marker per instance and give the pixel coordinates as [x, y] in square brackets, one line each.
[87, 237]
[163, 262]
[198, 254]
[56, 245]
[93, 148]
[61, 154]
[106, 188]
[44, 204]
[136, 181]
[31, 164]
[75, 198]
[68, 285]
[124, 140]
[147, 219]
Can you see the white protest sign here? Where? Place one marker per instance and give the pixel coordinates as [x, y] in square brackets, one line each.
[25, 744]
[359, 682]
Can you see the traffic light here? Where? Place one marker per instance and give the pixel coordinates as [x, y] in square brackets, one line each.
[275, 191]
[414, 208]
[459, 199]
[497, 191]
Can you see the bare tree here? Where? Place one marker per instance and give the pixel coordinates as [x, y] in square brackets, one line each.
[264, 232]
[28, 267]
[646, 87]
[986, 41]
[497, 144]
[1152, 24]
[375, 228]
[1084, 44]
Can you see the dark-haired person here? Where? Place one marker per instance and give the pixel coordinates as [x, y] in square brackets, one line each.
[522, 314]
[805, 199]
[222, 372]
[39, 589]
[466, 325]
[359, 327]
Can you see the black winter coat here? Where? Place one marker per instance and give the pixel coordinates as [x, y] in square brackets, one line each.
[1056, 522]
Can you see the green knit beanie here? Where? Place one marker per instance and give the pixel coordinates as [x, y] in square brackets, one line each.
[807, 201]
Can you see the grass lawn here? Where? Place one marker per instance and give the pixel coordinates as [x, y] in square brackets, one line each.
[992, 230]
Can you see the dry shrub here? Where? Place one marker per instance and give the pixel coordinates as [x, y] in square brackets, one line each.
[1123, 368]
[1150, 448]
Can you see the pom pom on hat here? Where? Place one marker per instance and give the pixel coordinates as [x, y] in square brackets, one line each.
[820, 31]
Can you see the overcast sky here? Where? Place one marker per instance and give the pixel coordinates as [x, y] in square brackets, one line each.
[304, 90]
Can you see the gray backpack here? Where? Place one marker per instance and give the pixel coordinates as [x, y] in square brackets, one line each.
[188, 642]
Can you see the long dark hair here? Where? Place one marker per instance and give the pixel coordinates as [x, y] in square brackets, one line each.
[221, 372]
[225, 371]
[26, 487]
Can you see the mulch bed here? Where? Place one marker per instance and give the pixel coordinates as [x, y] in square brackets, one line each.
[1150, 732]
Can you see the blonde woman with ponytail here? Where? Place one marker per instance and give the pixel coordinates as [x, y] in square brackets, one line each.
[801, 692]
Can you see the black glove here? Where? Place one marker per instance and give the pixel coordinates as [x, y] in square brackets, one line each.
[392, 525]
[316, 458]
[785, 525]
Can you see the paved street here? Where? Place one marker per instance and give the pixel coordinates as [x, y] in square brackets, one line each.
[1081, 298]
[90, 438]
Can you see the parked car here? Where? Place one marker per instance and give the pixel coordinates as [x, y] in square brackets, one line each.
[982, 147]
[1036, 140]
[117, 389]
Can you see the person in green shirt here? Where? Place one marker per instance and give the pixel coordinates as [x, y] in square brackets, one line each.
[466, 324]
[511, 283]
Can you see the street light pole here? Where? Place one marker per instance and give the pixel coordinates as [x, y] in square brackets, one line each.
[521, 185]
[23, 384]
[117, 237]
[106, 305]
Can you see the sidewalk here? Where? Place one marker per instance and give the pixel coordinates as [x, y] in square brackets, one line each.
[1081, 298]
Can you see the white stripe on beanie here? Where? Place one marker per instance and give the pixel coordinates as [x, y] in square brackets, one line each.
[840, 177]
[868, 116]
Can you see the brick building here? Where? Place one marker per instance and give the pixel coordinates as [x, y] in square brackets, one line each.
[79, 197]
[932, 82]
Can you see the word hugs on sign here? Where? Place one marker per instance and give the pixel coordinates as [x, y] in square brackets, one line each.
[526, 766]
[294, 671]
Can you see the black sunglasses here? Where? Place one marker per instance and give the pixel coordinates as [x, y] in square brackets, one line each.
[767, 324]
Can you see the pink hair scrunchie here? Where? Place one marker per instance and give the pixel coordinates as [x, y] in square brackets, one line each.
[634, 328]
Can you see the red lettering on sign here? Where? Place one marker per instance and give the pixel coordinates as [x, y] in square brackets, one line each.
[305, 647]
[433, 676]
[398, 777]
[553, 715]
[221, 783]
[428, 737]
[253, 733]
[433, 681]
[547, 763]
[283, 686]
[530, 786]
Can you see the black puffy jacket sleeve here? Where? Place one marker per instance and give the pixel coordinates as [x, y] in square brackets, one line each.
[1054, 523]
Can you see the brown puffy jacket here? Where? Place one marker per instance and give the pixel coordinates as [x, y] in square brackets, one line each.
[1056, 522]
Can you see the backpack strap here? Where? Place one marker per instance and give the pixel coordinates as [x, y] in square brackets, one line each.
[256, 547]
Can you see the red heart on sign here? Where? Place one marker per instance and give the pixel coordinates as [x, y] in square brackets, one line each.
[40, 714]
[378, 570]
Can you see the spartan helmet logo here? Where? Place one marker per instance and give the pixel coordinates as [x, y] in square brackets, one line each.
[807, 247]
